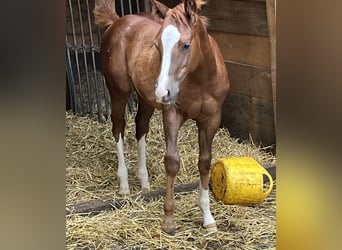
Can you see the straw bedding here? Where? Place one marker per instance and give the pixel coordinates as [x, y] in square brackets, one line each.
[91, 173]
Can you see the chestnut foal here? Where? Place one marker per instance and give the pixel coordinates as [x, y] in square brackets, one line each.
[175, 66]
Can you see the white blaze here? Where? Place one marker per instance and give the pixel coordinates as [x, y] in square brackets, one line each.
[169, 38]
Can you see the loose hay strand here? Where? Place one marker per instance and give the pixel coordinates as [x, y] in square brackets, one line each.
[91, 173]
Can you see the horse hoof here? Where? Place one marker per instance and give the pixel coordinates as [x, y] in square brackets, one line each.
[145, 186]
[169, 232]
[123, 189]
[124, 193]
[211, 227]
[169, 227]
[145, 189]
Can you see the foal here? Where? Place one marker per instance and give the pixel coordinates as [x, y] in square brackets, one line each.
[174, 66]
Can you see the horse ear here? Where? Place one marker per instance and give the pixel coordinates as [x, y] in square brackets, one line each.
[191, 10]
[159, 9]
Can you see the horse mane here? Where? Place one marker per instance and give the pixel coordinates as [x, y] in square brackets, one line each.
[199, 3]
[204, 19]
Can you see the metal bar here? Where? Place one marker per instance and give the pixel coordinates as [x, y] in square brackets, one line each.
[89, 25]
[72, 22]
[70, 90]
[70, 77]
[98, 36]
[147, 5]
[76, 58]
[94, 66]
[106, 94]
[97, 90]
[71, 80]
[137, 4]
[85, 60]
[130, 6]
[92, 51]
[122, 8]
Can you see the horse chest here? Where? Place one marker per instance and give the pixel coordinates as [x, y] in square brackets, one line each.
[200, 108]
[209, 107]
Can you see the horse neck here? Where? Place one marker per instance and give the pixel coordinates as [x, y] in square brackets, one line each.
[207, 60]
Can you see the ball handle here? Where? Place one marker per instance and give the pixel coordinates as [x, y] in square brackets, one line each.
[268, 191]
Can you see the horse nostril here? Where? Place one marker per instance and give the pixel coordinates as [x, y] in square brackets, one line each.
[166, 98]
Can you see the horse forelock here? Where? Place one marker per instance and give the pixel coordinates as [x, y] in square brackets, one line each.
[178, 14]
[200, 3]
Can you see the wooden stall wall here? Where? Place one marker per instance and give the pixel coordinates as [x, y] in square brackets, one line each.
[240, 28]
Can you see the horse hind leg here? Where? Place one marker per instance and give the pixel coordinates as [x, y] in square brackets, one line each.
[122, 169]
[119, 99]
[142, 121]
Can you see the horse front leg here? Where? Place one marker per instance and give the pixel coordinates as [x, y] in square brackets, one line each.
[172, 122]
[206, 133]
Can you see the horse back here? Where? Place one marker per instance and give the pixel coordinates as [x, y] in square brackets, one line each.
[123, 42]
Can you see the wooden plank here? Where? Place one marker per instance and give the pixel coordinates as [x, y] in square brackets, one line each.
[249, 118]
[242, 17]
[249, 80]
[235, 115]
[261, 121]
[271, 18]
[93, 207]
[246, 49]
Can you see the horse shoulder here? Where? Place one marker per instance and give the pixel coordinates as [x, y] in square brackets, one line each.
[145, 73]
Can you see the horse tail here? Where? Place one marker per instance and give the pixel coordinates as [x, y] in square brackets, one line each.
[104, 13]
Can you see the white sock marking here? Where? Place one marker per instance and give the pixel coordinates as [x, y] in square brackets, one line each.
[122, 169]
[203, 202]
[169, 38]
[142, 171]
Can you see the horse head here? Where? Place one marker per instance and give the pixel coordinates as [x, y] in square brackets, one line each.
[178, 43]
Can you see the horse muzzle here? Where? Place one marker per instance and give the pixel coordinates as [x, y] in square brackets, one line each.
[165, 97]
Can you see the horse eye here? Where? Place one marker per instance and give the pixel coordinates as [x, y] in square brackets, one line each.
[186, 46]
